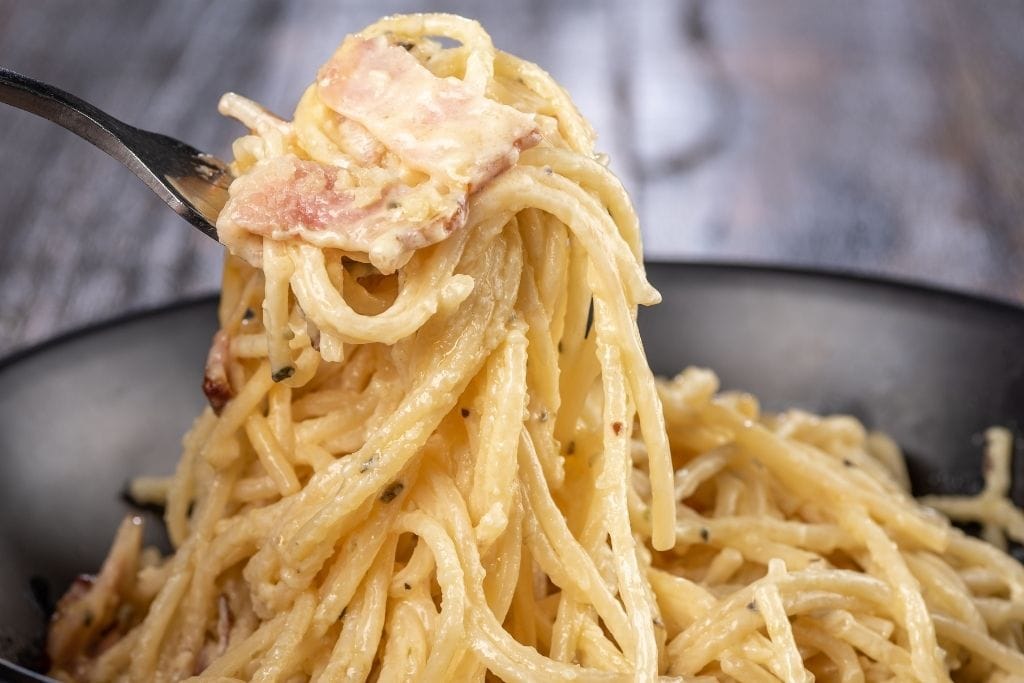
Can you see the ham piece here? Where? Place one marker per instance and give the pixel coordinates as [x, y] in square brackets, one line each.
[439, 127]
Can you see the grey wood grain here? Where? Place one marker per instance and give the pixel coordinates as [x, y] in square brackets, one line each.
[880, 136]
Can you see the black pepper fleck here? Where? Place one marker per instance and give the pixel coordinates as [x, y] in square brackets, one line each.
[249, 314]
[283, 374]
[571, 448]
[752, 605]
[465, 412]
[391, 492]
[407, 586]
[617, 427]
[847, 462]
[705, 534]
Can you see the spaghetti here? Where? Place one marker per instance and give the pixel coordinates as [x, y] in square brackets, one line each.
[435, 450]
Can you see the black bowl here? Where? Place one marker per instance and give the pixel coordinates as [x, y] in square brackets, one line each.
[82, 414]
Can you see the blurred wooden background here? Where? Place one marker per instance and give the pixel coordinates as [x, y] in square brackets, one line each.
[885, 136]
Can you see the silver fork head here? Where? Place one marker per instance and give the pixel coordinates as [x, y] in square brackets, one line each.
[193, 183]
[203, 192]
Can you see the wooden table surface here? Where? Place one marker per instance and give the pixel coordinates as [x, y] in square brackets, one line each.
[884, 136]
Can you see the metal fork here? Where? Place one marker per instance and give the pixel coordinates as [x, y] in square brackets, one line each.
[192, 183]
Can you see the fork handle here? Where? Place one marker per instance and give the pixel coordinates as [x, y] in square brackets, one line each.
[68, 111]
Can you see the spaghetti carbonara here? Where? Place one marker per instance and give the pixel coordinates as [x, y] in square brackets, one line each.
[435, 450]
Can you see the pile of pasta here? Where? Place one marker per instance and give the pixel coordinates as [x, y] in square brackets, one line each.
[445, 457]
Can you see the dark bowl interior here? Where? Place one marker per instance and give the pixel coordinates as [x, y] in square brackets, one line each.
[81, 415]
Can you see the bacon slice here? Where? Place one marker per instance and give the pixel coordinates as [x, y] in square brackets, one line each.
[439, 126]
[287, 198]
[216, 385]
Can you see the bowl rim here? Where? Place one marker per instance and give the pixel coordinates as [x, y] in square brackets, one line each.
[797, 271]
